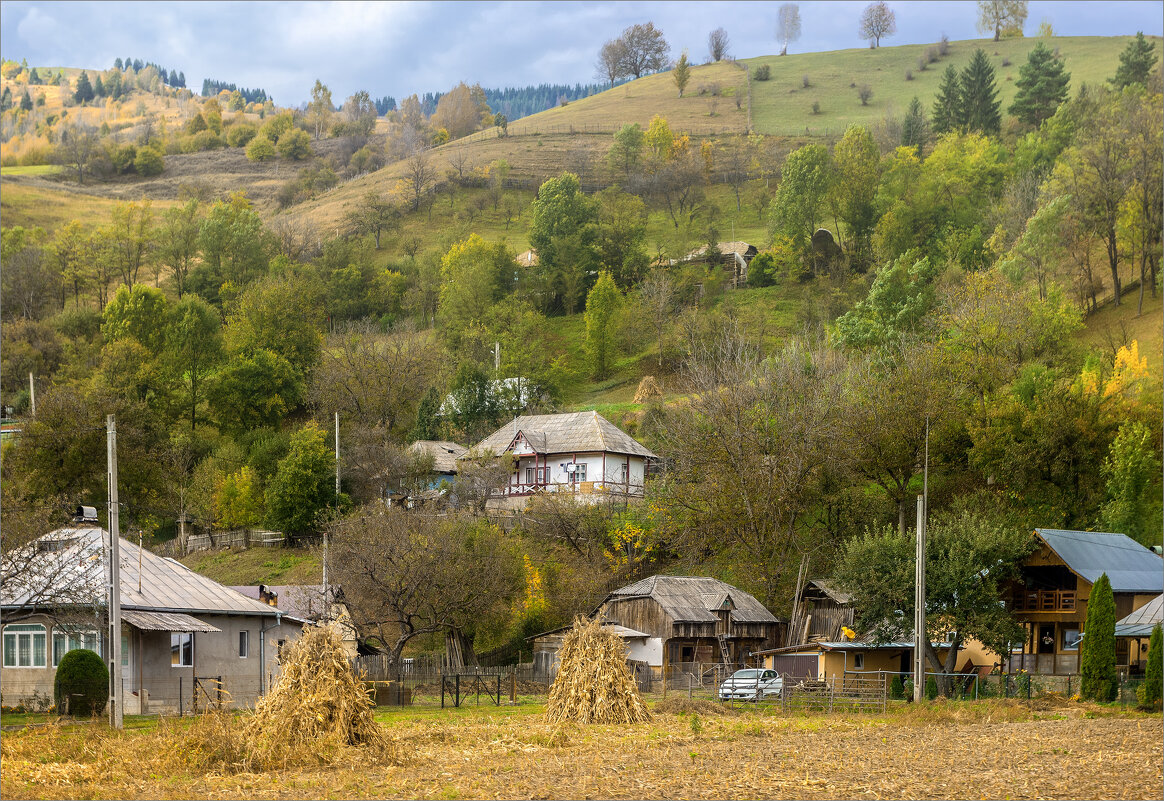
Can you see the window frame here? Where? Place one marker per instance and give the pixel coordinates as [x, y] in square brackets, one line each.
[244, 644]
[858, 661]
[15, 633]
[181, 647]
[77, 638]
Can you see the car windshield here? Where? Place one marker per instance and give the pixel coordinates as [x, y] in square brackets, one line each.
[746, 674]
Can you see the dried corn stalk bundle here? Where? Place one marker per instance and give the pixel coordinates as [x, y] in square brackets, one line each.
[594, 684]
[317, 705]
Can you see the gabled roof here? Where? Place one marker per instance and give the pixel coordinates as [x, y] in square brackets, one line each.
[685, 598]
[621, 631]
[573, 432]
[1141, 622]
[444, 454]
[1130, 567]
[304, 601]
[831, 590]
[166, 584]
[740, 248]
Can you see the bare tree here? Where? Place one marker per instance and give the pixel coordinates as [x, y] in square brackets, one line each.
[657, 295]
[877, 21]
[611, 59]
[420, 177]
[375, 215]
[460, 161]
[787, 26]
[78, 148]
[644, 50]
[406, 575]
[718, 44]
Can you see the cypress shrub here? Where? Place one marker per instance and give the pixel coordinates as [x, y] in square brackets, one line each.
[82, 683]
[1097, 660]
[896, 688]
[1149, 693]
[931, 689]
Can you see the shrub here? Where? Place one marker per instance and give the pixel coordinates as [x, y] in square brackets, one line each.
[1097, 651]
[865, 93]
[1148, 694]
[239, 134]
[762, 73]
[907, 689]
[931, 55]
[896, 688]
[804, 81]
[816, 107]
[81, 687]
[149, 161]
[276, 126]
[1006, 62]
[260, 149]
[922, 64]
[909, 75]
[931, 689]
[944, 45]
[204, 140]
[294, 145]
[121, 158]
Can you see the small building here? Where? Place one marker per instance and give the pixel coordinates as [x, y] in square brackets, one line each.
[841, 659]
[693, 620]
[734, 256]
[186, 640]
[1136, 630]
[581, 453]
[1050, 599]
[309, 603]
[822, 612]
[546, 646]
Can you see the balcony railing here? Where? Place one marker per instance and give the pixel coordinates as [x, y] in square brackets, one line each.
[1043, 601]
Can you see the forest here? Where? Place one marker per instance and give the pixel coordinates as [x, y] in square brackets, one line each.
[938, 328]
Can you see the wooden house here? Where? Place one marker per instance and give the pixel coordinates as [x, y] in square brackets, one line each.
[734, 256]
[581, 453]
[1050, 599]
[693, 620]
[822, 611]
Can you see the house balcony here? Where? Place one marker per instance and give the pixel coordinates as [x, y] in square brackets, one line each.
[613, 488]
[1043, 601]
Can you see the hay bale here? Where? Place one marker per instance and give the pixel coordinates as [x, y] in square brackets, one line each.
[318, 705]
[649, 389]
[594, 683]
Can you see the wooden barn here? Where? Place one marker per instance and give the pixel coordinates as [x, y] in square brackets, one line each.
[734, 256]
[693, 620]
[822, 611]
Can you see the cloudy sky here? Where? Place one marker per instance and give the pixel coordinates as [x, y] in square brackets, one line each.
[397, 48]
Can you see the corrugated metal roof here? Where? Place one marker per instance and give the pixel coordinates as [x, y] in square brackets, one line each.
[303, 601]
[574, 432]
[622, 631]
[166, 584]
[164, 621]
[832, 590]
[1141, 622]
[1129, 565]
[444, 454]
[682, 598]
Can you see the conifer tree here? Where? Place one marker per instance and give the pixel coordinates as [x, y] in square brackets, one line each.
[84, 91]
[1136, 62]
[947, 114]
[1151, 690]
[914, 128]
[1097, 651]
[34, 77]
[1042, 86]
[981, 110]
[26, 101]
[681, 73]
[117, 63]
[99, 87]
[427, 416]
[6, 99]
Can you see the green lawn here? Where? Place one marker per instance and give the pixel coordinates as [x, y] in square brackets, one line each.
[32, 169]
[258, 566]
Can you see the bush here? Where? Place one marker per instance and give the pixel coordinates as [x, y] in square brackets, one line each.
[203, 140]
[762, 73]
[907, 689]
[81, 687]
[896, 688]
[294, 145]
[276, 127]
[909, 75]
[1097, 651]
[816, 107]
[931, 689]
[1148, 694]
[121, 158]
[804, 81]
[260, 149]
[239, 134]
[944, 45]
[149, 161]
[932, 55]
[865, 93]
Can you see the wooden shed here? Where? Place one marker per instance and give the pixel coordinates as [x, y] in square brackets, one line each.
[822, 611]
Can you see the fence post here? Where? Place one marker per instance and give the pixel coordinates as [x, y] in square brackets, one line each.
[181, 711]
[442, 689]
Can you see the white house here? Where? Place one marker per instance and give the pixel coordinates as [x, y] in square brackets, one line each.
[579, 452]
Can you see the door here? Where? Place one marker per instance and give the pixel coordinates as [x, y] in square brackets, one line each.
[1046, 638]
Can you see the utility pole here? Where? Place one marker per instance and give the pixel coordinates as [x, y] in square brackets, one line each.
[497, 358]
[919, 617]
[116, 712]
[326, 596]
[32, 392]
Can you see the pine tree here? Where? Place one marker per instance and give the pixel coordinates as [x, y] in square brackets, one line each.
[1136, 62]
[1151, 690]
[1097, 651]
[137, 65]
[33, 77]
[427, 416]
[84, 91]
[26, 101]
[6, 99]
[980, 106]
[99, 87]
[1042, 86]
[181, 80]
[117, 63]
[914, 128]
[947, 116]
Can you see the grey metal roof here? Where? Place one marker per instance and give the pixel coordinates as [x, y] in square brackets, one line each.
[444, 454]
[1129, 565]
[1141, 622]
[303, 601]
[622, 631]
[683, 598]
[573, 432]
[166, 585]
[165, 621]
[832, 591]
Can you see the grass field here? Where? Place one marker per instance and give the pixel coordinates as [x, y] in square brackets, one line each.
[258, 566]
[1113, 326]
[783, 106]
[51, 206]
[986, 749]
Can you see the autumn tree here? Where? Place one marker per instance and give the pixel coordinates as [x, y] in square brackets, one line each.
[787, 26]
[79, 146]
[462, 110]
[644, 50]
[602, 306]
[681, 73]
[1003, 17]
[801, 199]
[611, 60]
[877, 20]
[131, 238]
[375, 215]
[320, 109]
[856, 163]
[718, 44]
[627, 149]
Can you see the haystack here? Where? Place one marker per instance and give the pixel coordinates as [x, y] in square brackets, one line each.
[317, 705]
[594, 684]
[649, 389]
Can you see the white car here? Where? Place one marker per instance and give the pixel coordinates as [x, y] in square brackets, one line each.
[751, 684]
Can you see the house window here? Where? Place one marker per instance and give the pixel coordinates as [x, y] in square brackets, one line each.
[529, 475]
[182, 648]
[244, 644]
[25, 645]
[623, 474]
[859, 661]
[579, 474]
[1070, 639]
[69, 638]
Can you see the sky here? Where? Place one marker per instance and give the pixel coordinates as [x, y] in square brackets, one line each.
[398, 48]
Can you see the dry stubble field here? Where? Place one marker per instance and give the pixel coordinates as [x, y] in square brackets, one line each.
[989, 749]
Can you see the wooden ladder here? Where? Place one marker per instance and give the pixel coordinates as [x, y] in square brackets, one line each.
[723, 649]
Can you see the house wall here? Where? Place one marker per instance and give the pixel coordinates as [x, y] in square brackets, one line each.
[603, 472]
[649, 650]
[640, 614]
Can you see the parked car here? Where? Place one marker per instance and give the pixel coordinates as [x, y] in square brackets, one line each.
[751, 684]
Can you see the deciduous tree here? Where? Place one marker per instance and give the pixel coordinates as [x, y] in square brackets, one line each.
[1003, 17]
[877, 20]
[644, 50]
[718, 44]
[602, 306]
[303, 487]
[681, 73]
[611, 60]
[320, 109]
[787, 26]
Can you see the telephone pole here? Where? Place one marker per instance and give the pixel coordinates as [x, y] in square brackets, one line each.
[116, 712]
[919, 617]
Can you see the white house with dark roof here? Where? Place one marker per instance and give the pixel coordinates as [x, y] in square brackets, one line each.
[579, 452]
[187, 641]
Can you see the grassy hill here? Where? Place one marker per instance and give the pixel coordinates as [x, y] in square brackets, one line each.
[258, 566]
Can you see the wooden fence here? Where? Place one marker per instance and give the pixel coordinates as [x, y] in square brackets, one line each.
[247, 538]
